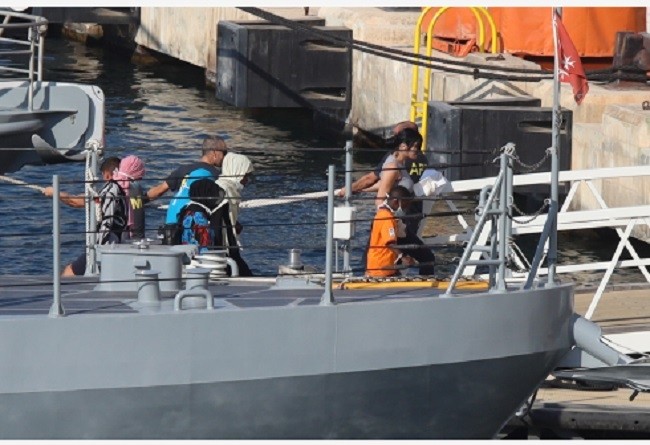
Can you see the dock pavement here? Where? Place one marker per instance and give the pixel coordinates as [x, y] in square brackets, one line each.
[564, 409]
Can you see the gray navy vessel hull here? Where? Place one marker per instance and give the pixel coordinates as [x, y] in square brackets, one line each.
[269, 364]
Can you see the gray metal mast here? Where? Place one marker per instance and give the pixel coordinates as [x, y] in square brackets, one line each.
[348, 194]
[555, 149]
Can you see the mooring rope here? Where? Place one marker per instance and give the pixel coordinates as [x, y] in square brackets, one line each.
[254, 203]
[22, 183]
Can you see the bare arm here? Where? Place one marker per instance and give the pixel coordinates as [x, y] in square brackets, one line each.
[157, 191]
[76, 201]
[367, 180]
[372, 188]
[389, 177]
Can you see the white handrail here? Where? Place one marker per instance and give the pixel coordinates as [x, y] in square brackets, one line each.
[468, 185]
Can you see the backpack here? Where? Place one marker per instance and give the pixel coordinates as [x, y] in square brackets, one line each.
[195, 229]
[199, 220]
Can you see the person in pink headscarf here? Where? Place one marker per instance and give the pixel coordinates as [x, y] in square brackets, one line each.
[128, 176]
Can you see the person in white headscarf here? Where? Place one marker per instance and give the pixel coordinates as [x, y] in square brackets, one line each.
[235, 174]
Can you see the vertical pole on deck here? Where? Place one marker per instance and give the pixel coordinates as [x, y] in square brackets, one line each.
[91, 229]
[503, 208]
[555, 175]
[509, 182]
[41, 45]
[348, 194]
[56, 310]
[327, 299]
[30, 89]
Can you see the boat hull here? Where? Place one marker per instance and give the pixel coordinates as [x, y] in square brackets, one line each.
[445, 401]
[387, 368]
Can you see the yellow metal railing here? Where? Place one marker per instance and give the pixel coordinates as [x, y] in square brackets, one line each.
[419, 104]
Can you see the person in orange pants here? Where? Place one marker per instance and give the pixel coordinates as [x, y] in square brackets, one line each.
[383, 255]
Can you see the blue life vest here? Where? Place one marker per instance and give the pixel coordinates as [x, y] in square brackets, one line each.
[181, 198]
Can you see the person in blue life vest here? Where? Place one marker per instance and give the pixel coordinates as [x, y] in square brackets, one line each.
[179, 182]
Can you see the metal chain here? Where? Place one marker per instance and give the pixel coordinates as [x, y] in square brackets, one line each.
[527, 168]
[533, 216]
[398, 279]
[510, 150]
[493, 156]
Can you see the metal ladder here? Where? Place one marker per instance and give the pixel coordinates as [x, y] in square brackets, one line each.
[496, 204]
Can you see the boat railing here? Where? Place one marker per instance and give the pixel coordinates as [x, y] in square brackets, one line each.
[622, 219]
[13, 48]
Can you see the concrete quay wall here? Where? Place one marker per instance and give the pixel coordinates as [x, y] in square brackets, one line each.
[190, 34]
[610, 127]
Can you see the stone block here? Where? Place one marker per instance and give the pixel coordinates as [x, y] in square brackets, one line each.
[627, 123]
[587, 139]
[189, 34]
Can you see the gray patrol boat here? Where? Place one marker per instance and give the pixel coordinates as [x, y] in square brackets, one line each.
[41, 122]
[154, 347]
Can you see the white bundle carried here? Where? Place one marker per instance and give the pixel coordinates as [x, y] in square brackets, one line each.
[432, 183]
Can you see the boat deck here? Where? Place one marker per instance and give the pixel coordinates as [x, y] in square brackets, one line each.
[33, 295]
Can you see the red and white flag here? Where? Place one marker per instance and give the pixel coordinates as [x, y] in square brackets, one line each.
[570, 69]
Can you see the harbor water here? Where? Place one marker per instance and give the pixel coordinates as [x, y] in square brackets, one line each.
[161, 113]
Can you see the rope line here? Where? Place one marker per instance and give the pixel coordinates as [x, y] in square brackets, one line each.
[22, 183]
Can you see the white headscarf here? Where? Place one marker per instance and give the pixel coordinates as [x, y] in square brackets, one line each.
[233, 169]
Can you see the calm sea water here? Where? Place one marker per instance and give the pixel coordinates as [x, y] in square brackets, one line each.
[161, 113]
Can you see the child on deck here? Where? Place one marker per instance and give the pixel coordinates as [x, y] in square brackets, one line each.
[383, 255]
[112, 207]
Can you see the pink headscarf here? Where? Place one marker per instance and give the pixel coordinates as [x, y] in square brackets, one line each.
[131, 168]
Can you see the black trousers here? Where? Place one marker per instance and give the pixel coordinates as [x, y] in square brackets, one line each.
[422, 254]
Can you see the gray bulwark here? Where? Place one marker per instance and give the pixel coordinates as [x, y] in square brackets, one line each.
[262, 365]
[65, 119]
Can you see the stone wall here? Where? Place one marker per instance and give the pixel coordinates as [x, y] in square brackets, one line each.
[622, 139]
[190, 34]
